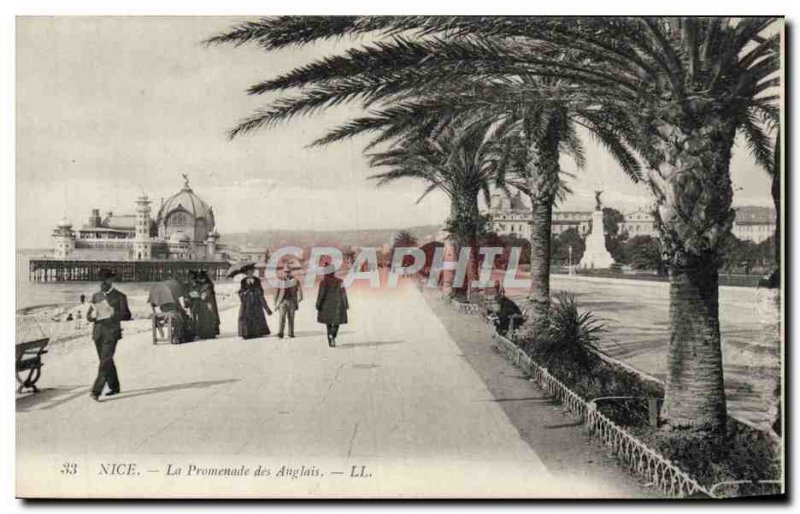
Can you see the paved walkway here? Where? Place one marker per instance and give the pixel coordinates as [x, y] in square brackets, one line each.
[396, 396]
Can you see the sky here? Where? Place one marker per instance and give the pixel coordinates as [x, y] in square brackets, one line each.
[108, 108]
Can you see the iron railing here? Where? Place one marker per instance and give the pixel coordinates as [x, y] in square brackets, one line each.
[659, 471]
[637, 456]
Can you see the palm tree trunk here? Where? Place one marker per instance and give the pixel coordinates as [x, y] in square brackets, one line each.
[776, 199]
[544, 178]
[775, 283]
[464, 220]
[448, 276]
[695, 388]
[473, 242]
[541, 230]
[693, 191]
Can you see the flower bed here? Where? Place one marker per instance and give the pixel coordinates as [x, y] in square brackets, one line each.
[747, 463]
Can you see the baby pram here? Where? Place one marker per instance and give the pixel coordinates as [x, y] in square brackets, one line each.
[170, 316]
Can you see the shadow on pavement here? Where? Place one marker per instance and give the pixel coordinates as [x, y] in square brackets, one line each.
[369, 344]
[60, 394]
[165, 389]
[307, 333]
[564, 425]
[538, 399]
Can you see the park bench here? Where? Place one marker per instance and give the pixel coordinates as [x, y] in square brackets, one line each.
[515, 320]
[29, 359]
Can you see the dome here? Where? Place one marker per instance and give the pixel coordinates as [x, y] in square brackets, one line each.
[185, 213]
[180, 237]
[186, 200]
[64, 223]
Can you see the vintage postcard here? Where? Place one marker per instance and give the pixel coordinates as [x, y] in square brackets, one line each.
[399, 257]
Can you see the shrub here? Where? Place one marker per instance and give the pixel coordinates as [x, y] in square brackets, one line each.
[567, 335]
[741, 453]
[564, 346]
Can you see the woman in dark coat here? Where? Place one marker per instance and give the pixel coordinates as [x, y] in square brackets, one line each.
[252, 322]
[332, 305]
[204, 306]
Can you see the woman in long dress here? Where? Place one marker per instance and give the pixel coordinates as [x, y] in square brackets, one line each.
[204, 306]
[252, 322]
[332, 305]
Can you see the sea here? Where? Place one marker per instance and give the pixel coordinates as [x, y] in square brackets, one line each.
[54, 310]
[31, 296]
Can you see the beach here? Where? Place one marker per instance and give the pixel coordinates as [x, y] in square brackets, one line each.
[45, 309]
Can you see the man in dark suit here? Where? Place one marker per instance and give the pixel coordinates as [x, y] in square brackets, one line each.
[506, 309]
[109, 307]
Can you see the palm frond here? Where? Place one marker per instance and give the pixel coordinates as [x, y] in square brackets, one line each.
[758, 142]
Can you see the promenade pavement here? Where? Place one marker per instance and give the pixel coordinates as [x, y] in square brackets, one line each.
[394, 410]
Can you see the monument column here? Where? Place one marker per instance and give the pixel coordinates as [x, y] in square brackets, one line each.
[596, 256]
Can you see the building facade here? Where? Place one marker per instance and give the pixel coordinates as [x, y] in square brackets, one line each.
[640, 222]
[183, 229]
[512, 216]
[754, 224]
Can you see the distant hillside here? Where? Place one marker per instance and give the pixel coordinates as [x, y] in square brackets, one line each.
[305, 238]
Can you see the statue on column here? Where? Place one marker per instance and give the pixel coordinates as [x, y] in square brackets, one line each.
[598, 205]
[596, 255]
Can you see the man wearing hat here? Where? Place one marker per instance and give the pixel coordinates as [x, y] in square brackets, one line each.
[287, 299]
[109, 307]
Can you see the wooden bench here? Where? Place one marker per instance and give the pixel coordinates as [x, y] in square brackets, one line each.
[29, 358]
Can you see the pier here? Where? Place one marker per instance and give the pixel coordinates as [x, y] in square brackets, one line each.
[57, 270]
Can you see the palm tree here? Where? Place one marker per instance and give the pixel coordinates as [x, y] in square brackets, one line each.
[404, 239]
[678, 90]
[458, 158]
[548, 111]
[537, 132]
[700, 82]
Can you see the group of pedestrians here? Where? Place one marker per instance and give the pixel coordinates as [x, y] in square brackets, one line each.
[193, 307]
[331, 305]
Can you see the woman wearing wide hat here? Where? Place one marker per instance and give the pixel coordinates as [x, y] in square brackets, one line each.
[252, 322]
[331, 303]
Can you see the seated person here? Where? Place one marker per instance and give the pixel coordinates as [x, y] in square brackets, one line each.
[172, 304]
[505, 309]
[181, 322]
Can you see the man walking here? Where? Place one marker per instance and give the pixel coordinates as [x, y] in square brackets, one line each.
[108, 308]
[287, 299]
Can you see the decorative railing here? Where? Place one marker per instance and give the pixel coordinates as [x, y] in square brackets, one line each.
[637, 456]
[467, 308]
[643, 460]
[747, 488]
